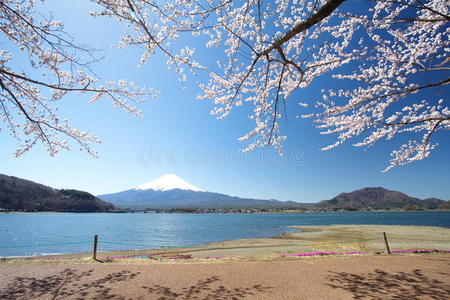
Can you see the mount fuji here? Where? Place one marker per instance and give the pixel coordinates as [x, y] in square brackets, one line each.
[168, 182]
[171, 191]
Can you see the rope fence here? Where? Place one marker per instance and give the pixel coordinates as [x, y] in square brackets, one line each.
[110, 245]
[44, 245]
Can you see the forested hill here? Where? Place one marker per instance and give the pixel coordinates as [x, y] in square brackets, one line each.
[17, 194]
[380, 198]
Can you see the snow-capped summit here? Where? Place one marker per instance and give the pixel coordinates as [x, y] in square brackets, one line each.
[168, 182]
[170, 191]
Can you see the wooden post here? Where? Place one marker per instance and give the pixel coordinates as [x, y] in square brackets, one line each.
[94, 252]
[386, 242]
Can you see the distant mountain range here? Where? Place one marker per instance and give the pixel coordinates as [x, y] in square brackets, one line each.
[170, 191]
[380, 198]
[23, 195]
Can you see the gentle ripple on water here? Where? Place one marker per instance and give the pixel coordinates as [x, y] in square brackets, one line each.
[163, 230]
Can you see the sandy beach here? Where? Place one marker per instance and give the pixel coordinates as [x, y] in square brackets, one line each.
[423, 276]
[249, 269]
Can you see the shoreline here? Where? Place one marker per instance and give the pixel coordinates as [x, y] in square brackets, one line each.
[234, 212]
[326, 238]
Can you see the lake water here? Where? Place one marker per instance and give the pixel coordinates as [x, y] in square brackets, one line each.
[24, 234]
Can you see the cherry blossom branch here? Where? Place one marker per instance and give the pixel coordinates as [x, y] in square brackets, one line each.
[321, 14]
[53, 54]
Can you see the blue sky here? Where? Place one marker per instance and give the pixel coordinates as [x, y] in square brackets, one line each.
[178, 135]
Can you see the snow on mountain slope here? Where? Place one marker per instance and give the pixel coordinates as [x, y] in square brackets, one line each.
[170, 191]
[168, 182]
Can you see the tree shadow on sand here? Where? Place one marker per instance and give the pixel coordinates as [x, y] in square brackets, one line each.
[208, 289]
[80, 285]
[68, 283]
[383, 285]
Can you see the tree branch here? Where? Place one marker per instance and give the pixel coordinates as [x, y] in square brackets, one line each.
[321, 14]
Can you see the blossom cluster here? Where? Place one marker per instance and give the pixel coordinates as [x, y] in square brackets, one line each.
[55, 67]
[399, 83]
[270, 52]
[389, 59]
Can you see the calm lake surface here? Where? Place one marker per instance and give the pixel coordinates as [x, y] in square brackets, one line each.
[24, 234]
